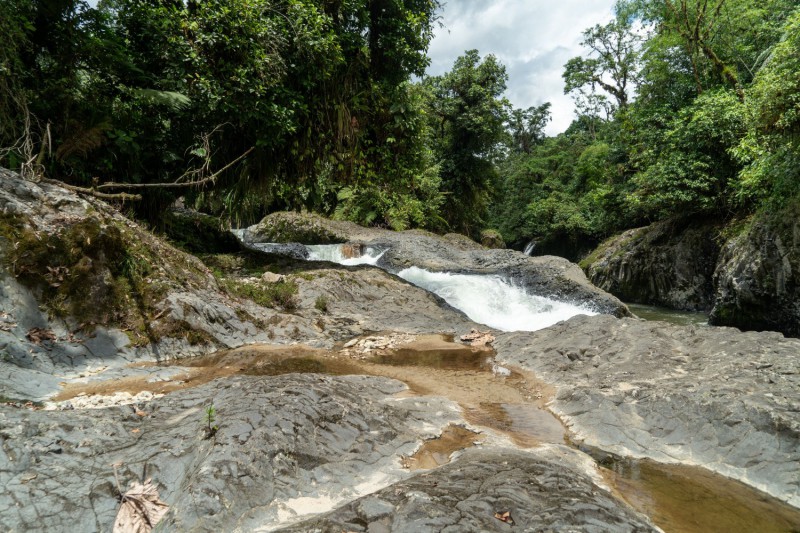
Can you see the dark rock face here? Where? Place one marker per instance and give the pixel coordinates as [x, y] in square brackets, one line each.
[717, 397]
[758, 276]
[669, 263]
[538, 493]
[290, 249]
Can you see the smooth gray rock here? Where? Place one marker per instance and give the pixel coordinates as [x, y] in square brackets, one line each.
[548, 276]
[281, 441]
[540, 494]
[713, 397]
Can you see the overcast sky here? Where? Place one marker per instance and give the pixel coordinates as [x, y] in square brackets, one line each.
[532, 38]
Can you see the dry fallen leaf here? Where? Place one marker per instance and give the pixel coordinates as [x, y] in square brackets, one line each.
[141, 509]
[37, 335]
[504, 516]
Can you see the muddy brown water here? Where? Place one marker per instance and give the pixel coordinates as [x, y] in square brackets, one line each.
[677, 498]
[685, 499]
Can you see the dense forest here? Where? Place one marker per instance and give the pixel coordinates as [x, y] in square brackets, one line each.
[244, 107]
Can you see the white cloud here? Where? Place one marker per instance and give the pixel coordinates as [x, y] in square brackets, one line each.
[532, 38]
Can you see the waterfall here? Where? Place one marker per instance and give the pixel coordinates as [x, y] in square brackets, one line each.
[493, 301]
[486, 299]
[335, 254]
[529, 247]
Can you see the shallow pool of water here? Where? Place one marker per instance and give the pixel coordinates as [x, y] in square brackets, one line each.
[680, 318]
[687, 499]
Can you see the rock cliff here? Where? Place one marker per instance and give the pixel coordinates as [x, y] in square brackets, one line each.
[757, 278]
[669, 264]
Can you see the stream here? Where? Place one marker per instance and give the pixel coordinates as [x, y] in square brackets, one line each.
[677, 498]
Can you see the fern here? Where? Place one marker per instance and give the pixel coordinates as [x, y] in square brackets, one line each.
[173, 100]
[82, 141]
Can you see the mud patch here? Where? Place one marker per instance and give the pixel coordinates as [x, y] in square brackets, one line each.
[525, 424]
[258, 360]
[437, 452]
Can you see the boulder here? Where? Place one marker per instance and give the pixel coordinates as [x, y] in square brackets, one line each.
[758, 275]
[286, 227]
[492, 239]
[549, 276]
[488, 490]
[669, 263]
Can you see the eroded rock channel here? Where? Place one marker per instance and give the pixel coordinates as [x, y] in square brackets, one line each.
[323, 397]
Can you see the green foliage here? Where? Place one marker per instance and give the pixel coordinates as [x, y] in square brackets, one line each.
[209, 419]
[611, 65]
[688, 167]
[467, 116]
[771, 149]
[321, 303]
[319, 90]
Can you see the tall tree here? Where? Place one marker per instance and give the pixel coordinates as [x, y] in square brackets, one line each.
[611, 64]
[468, 115]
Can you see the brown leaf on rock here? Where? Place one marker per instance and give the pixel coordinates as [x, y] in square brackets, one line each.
[504, 516]
[38, 335]
[141, 509]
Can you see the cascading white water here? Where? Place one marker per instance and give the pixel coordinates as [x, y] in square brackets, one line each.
[529, 248]
[334, 254]
[487, 300]
[492, 301]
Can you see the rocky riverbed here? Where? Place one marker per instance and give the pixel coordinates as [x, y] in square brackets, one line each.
[261, 392]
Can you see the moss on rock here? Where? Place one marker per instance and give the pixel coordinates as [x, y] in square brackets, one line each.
[288, 227]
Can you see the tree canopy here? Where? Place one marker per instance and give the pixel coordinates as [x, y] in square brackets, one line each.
[243, 107]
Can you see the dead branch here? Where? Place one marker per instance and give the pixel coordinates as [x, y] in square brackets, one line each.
[124, 196]
[176, 184]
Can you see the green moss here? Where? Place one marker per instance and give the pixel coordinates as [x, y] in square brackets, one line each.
[492, 239]
[280, 294]
[294, 227]
[84, 270]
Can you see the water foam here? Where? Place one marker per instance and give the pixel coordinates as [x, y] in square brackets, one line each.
[493, 301]
[333, 253]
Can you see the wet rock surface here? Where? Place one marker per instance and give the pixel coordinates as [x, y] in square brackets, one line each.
[713, 397]
[487, 490]
[292, 446]
[670, 264]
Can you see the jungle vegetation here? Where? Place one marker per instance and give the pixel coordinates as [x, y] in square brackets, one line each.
[244, 107]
